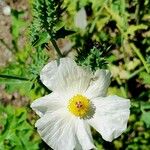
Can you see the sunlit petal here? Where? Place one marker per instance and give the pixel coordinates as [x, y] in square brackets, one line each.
[111, 116]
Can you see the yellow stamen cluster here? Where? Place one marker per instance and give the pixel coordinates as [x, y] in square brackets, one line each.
[79, 105]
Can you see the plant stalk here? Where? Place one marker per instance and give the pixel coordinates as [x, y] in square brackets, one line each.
[13, 77]
[138, 53]
[57, 48]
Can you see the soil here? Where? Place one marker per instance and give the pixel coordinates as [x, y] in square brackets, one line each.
[5, 27]
[5, 52]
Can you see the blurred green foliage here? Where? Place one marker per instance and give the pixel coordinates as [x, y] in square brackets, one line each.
[16, 132]
[121, 29]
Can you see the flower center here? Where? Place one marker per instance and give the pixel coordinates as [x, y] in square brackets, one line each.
[79, 105]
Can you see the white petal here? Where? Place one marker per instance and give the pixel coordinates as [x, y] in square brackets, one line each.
[49, 103]
[57, 130]
[7, 10]
[70, 78]
[111, 116]
[84, 135]
[81, 19]
[99, 85]
[48, 72]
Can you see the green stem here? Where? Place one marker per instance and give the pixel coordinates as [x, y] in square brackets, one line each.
[12, 77]
[137, 51]
[57, 48]
[137, 72]
[121, 87]
[137, 12]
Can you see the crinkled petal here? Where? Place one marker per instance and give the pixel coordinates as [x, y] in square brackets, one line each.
[57, 130]
[48, 72]
[83, 134]
[49, 103]
[99, 85]
[111, 116]
[70, 78]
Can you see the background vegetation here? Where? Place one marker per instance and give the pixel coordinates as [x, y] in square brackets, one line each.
[116, 37]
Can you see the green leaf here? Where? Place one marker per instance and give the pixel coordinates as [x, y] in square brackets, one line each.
[133, 28]
[23, 87]
[18, 133]
[101, 22]
[146, 118]
[116, 17]
[17, 23]
[43, 38]
[145, 105]
[145, 77]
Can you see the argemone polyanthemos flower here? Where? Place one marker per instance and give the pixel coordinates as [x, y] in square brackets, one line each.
[78, 101]
[81, 19]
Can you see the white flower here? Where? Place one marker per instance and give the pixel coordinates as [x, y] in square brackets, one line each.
[6, 10]
[81, 19]
[78, 101]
